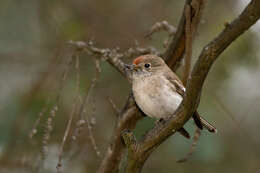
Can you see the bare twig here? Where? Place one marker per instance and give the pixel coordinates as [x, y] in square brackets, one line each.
[47, 131]
[59, 165]
[226, 110]
[161, 26]
[90, 89]
[77, 69]
[89, 124]
[115, 109]
[91, 137]
[114, 56]
[68, 128]
[188, 45]
[193, 146]
[36, 123]
[82, 119]
[49, 127]
[15, 129]
[64, 76]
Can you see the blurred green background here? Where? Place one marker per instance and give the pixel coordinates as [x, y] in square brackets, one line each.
[33, 55]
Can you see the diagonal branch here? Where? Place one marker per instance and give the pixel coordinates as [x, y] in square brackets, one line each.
[126, 120]
[175, 51]
[194, 86]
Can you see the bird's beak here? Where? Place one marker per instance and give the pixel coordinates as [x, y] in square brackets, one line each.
[129, 67]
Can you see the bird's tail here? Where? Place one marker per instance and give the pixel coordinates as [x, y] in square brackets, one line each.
[201, 122]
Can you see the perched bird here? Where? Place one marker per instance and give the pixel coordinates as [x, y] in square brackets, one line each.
[158, 91]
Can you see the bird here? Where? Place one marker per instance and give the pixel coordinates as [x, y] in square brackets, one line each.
[158, 91]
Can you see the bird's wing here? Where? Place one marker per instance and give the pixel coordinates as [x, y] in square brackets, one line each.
[177, 84]
[179, 88]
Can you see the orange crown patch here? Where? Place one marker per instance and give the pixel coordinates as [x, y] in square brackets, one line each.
[138, 60]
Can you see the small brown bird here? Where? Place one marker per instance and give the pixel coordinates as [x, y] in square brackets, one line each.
[158, 91]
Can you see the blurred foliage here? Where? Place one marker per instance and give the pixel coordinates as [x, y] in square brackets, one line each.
[34, 52]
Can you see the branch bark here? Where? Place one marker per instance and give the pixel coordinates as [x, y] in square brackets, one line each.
[175, 51]
[126, 120]
[209, 54]
[188, 45]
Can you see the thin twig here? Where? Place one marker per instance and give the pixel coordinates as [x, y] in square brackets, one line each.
[49, 126]
[37, 122]
[59, 164]
[114, 56]
[47, 131]
[113, 105]
[77, 95]
[82, 118]
[161, 26]
[92, 139]
[15, 129]
[188, 45]
[227, 111]
[91, 88]
[193, 146]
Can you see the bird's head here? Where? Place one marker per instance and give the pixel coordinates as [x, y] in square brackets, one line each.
[146, 65]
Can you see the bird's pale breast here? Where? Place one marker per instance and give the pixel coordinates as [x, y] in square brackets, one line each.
[155, 96]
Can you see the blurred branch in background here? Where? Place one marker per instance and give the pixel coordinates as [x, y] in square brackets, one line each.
[162, 26]
[35, 88]
[193, 146]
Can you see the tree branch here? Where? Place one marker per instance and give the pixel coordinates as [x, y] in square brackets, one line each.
[176, 48]
[127, 120]
[188, 45]
[194, 86]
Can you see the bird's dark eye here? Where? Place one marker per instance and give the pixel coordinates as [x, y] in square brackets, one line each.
[147, 65]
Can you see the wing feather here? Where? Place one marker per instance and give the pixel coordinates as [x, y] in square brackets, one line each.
[177, 84]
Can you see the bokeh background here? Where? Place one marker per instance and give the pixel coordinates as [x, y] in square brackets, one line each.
[33, 56]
